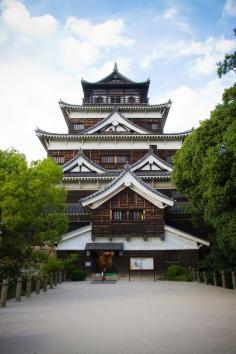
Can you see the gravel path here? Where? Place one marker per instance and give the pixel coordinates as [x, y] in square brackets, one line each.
[141, 317]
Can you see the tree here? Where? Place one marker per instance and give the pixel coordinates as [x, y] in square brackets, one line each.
[228, 64]
[32, 204]
[205, 171]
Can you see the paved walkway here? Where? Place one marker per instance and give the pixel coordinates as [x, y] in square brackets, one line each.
[141, 317]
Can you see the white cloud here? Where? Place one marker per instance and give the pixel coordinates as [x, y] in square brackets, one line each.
[190, 106]
[36, 73]
[17, 17]
[106, 34]
[173, 17]
[230, 8]
[207, 53]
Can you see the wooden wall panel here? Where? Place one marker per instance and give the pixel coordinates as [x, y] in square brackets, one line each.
[152, 225]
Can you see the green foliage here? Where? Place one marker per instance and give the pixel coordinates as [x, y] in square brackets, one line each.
[205, 171]
[228, 64]
[178, 273]
[78, 275]
[53, 264]
[32, 204]
[71, 263]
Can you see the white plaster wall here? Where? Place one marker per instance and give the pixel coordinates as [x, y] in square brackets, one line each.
[171, 242]
[113, 144]
[89, 114]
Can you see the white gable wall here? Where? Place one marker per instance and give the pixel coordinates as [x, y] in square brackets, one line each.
[172, 241]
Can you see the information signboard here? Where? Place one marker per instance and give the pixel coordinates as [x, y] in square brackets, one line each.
[137, 263]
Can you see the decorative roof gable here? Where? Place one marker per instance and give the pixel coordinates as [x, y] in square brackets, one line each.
[115, 77]
[115, 123]
[151, 162]
[127, 179]
[81, 163]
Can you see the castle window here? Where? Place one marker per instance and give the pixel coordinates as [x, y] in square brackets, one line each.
[99, 99]
[121, 215]
[78, 127]
[136, 215]
[59, 159]
[114, 159]
[131, 99]
[108, 159]
[122, 159]
[118, 215]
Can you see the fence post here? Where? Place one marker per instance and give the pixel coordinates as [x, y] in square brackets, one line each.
[55, 278]
[193, 274]
[198, 276]
[3, 300]
[51, 280]
[223, 279]
[45, 283]
[28, 285]
[214, 278]
[18, 289]
[38, 285]
[234, 279]
[59, 277]
[205, 277]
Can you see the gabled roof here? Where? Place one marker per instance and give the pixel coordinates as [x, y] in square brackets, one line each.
[114, 78]
[115, 123]
[186, 235]
[127, 179]
[81, 163]
[151, 161]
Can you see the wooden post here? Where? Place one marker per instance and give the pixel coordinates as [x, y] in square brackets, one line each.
[198, 276]
[215, 278]
[223, 279]
[193, 274]
[28, 285]
[45, 283]
[18, 289]
[205, 277]
[51, 280]
[38, 285]
[55, 278]
[234, 279]
[3, 300]
[59, 277]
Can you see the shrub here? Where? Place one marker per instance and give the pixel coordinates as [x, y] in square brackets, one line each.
[71, 263]
[53, 265]
[78, 275]
[177, 272]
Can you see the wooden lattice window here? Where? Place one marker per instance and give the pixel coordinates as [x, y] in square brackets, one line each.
[59, 159]
[78, 126]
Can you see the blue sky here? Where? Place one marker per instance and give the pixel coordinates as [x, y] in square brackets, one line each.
[47, 46]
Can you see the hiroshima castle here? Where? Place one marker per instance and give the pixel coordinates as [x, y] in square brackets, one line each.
[124, 212]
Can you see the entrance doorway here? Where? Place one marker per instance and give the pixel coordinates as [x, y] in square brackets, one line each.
[105, 261]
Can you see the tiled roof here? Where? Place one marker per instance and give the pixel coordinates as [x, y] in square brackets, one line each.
[74, 208]
[126, 169]
[150, 152]
[108, 117]
[43, 133]
[80, 153]
[127, 107]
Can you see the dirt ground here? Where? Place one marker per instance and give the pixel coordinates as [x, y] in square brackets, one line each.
[140, 317]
